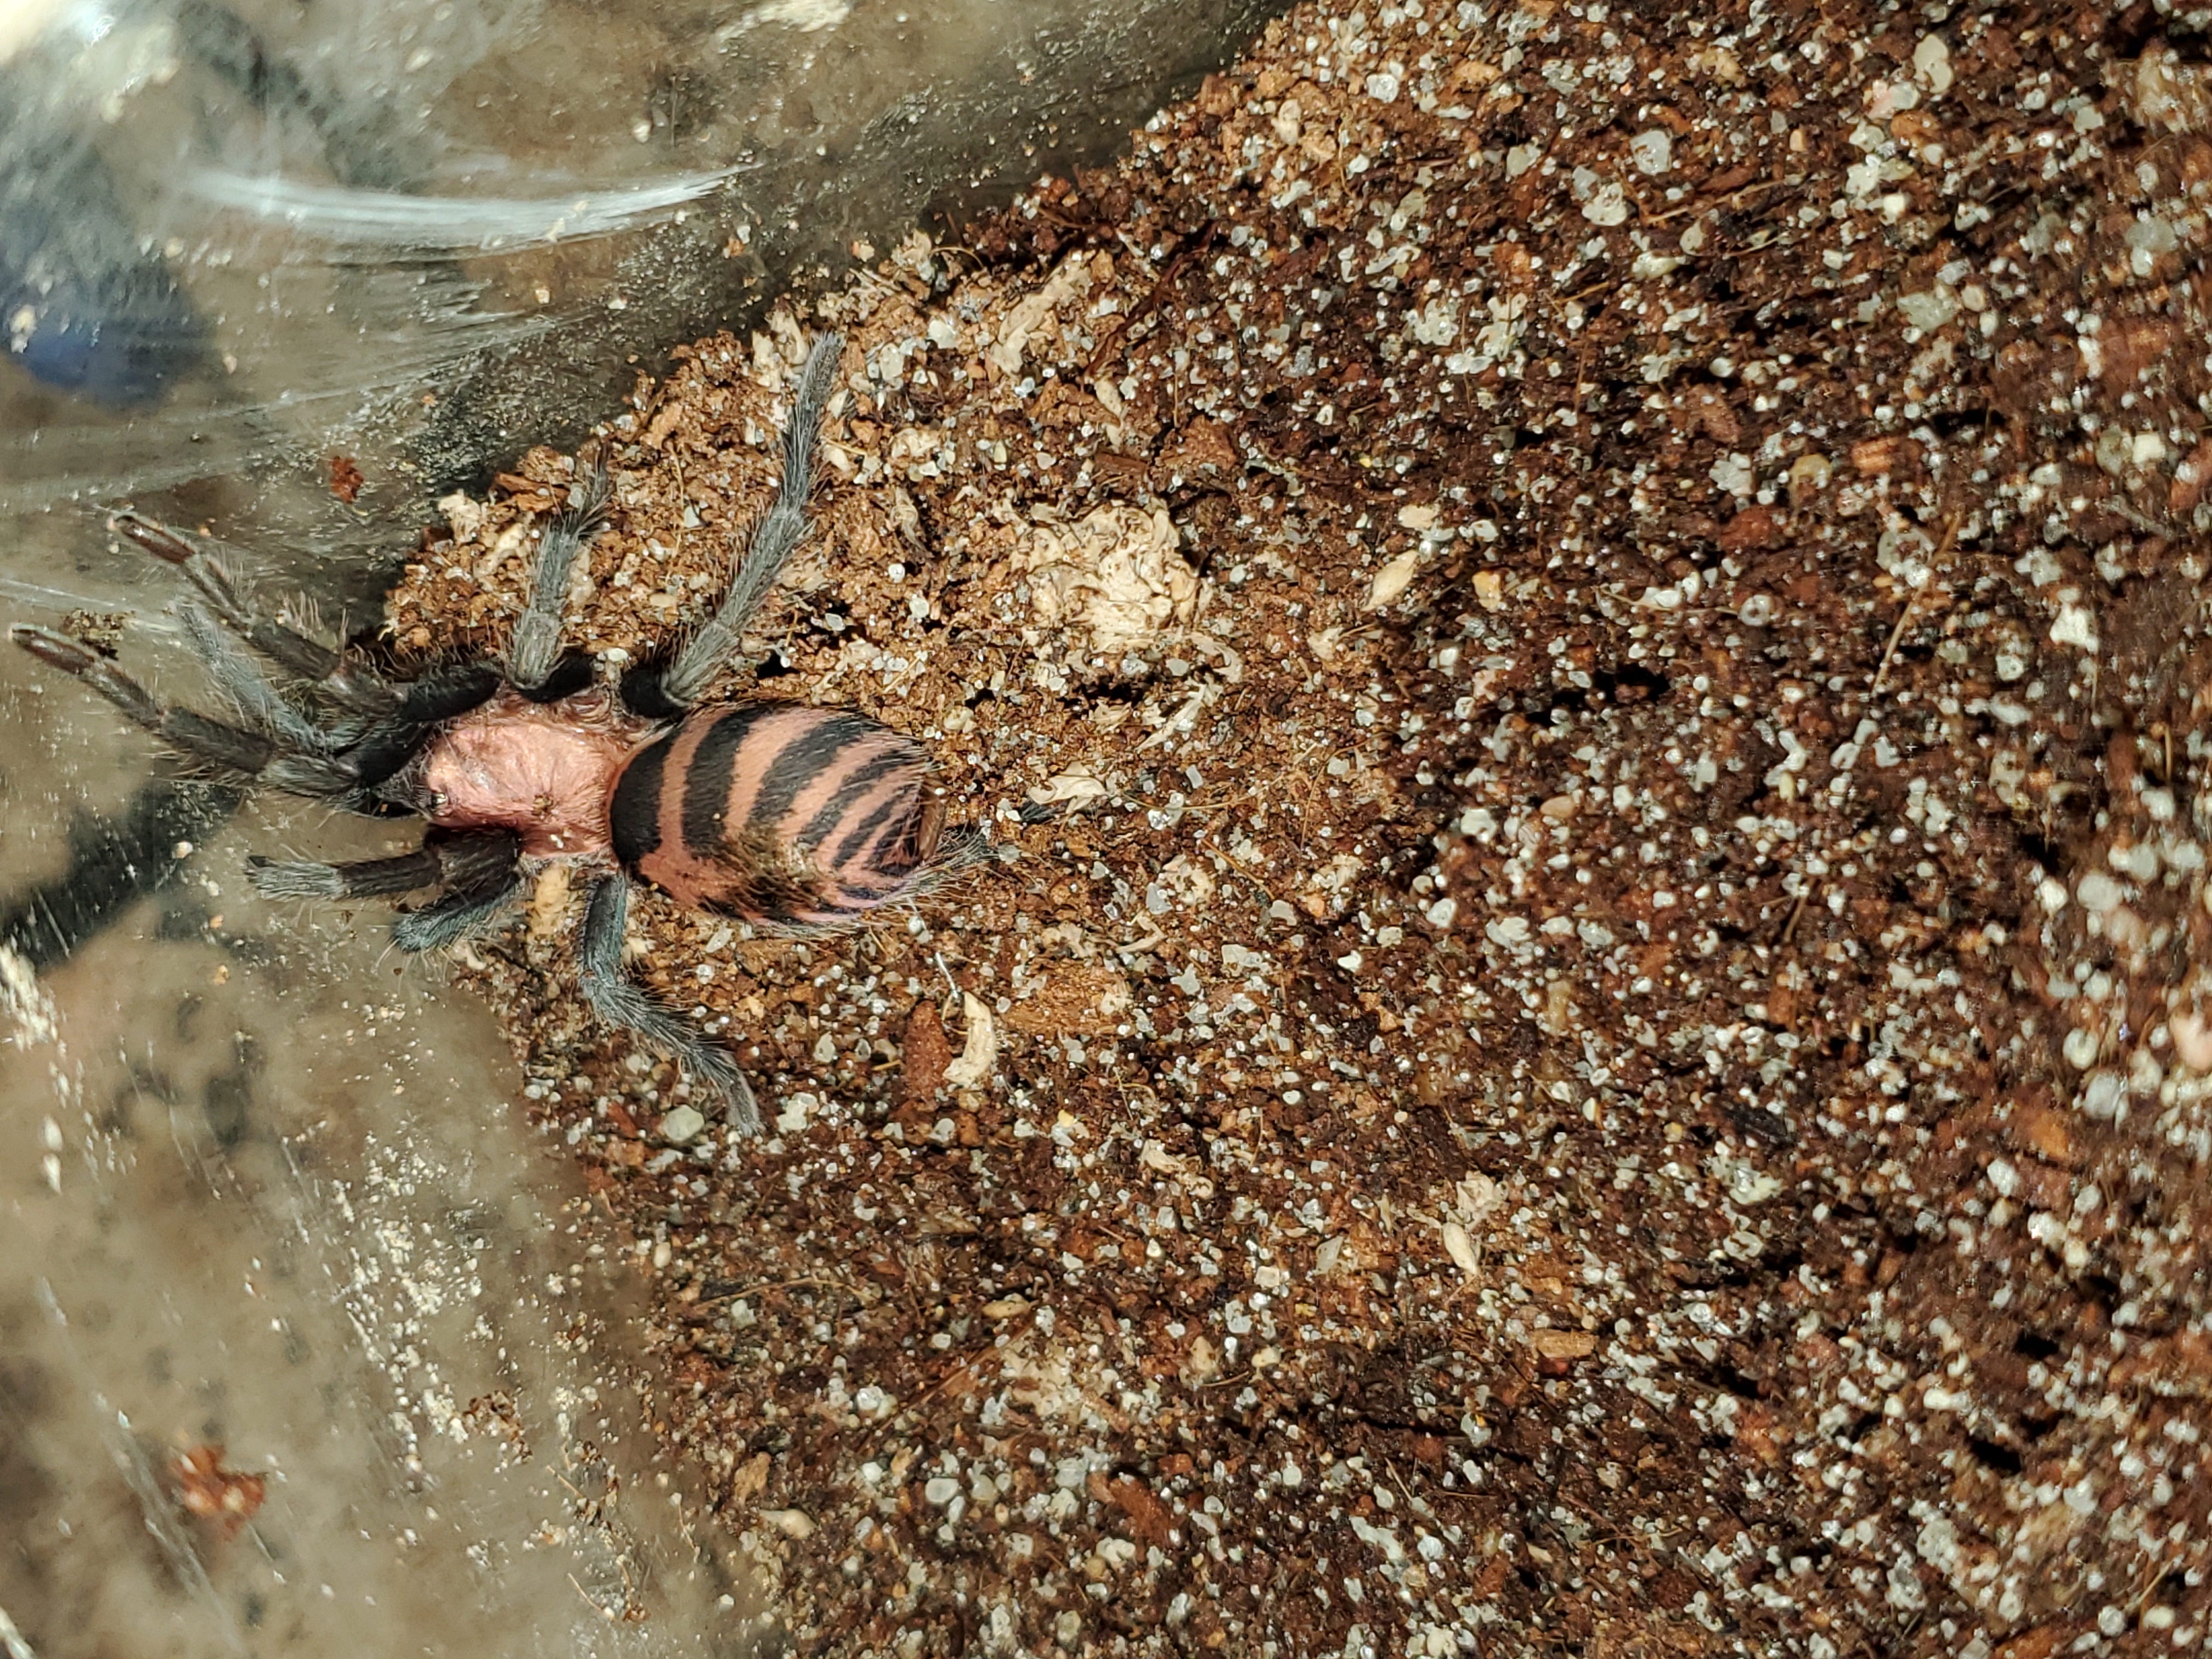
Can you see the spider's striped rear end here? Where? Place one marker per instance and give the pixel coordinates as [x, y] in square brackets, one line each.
[790, 816]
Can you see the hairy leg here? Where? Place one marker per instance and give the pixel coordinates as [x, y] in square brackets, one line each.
[533, 658]
[302, 879]
[454, 917]
[483, 873]
[622, 1004]
[228, 748]
[346, 683]
[289, 753]
[774, 539]
[246, 688]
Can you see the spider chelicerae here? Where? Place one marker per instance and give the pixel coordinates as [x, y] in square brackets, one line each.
[798, 819]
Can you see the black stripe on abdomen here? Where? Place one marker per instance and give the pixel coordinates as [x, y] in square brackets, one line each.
[633, 815]
[802, 760]
[854, 788]
[706, 781]
[841, 856]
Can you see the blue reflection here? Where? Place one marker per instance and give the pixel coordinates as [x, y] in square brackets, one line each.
[87, 303]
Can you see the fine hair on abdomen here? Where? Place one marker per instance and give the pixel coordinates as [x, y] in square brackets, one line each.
[778, 813]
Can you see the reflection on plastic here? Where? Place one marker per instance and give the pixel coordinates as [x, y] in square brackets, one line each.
[390, 220]
[84, 306]
[428, 234]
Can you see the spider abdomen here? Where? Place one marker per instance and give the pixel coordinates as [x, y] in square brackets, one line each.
[777, 813]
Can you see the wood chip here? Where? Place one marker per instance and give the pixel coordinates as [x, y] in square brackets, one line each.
[978, 1054]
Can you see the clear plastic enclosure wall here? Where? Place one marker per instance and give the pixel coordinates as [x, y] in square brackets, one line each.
[236, 237]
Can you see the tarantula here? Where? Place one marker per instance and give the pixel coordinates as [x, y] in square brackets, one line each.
[798, 819]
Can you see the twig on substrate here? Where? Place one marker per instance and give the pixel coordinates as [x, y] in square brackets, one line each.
[1913, 604]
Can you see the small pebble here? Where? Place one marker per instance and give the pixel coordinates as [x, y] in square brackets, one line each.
[793, 1524]
[2099, 892]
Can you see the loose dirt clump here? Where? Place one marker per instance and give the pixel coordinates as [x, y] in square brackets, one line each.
[1583, 631]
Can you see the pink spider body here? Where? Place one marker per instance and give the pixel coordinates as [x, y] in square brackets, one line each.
[790, 816]
[545, 770]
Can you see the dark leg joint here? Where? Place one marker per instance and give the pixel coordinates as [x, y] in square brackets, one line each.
[644, 694]
[571, 674]
[383, 753]
[386, 750]
[474, 861]
[304, 657]
[328, 777]
[243, 752]
[444, 693]
[484, 876]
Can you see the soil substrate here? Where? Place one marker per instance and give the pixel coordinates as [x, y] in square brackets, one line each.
[1594, 1039]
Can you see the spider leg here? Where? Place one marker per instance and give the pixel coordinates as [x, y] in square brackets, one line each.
[299, 763]
[383, 749]
[616, 999]
[344, 681]
[534, 662]
[347, 778]
[483, 872]
[229, 749]
[454, 917]
[302, 879]
[399, 718]
[246, 688]
[773, 541]
[475, 863]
